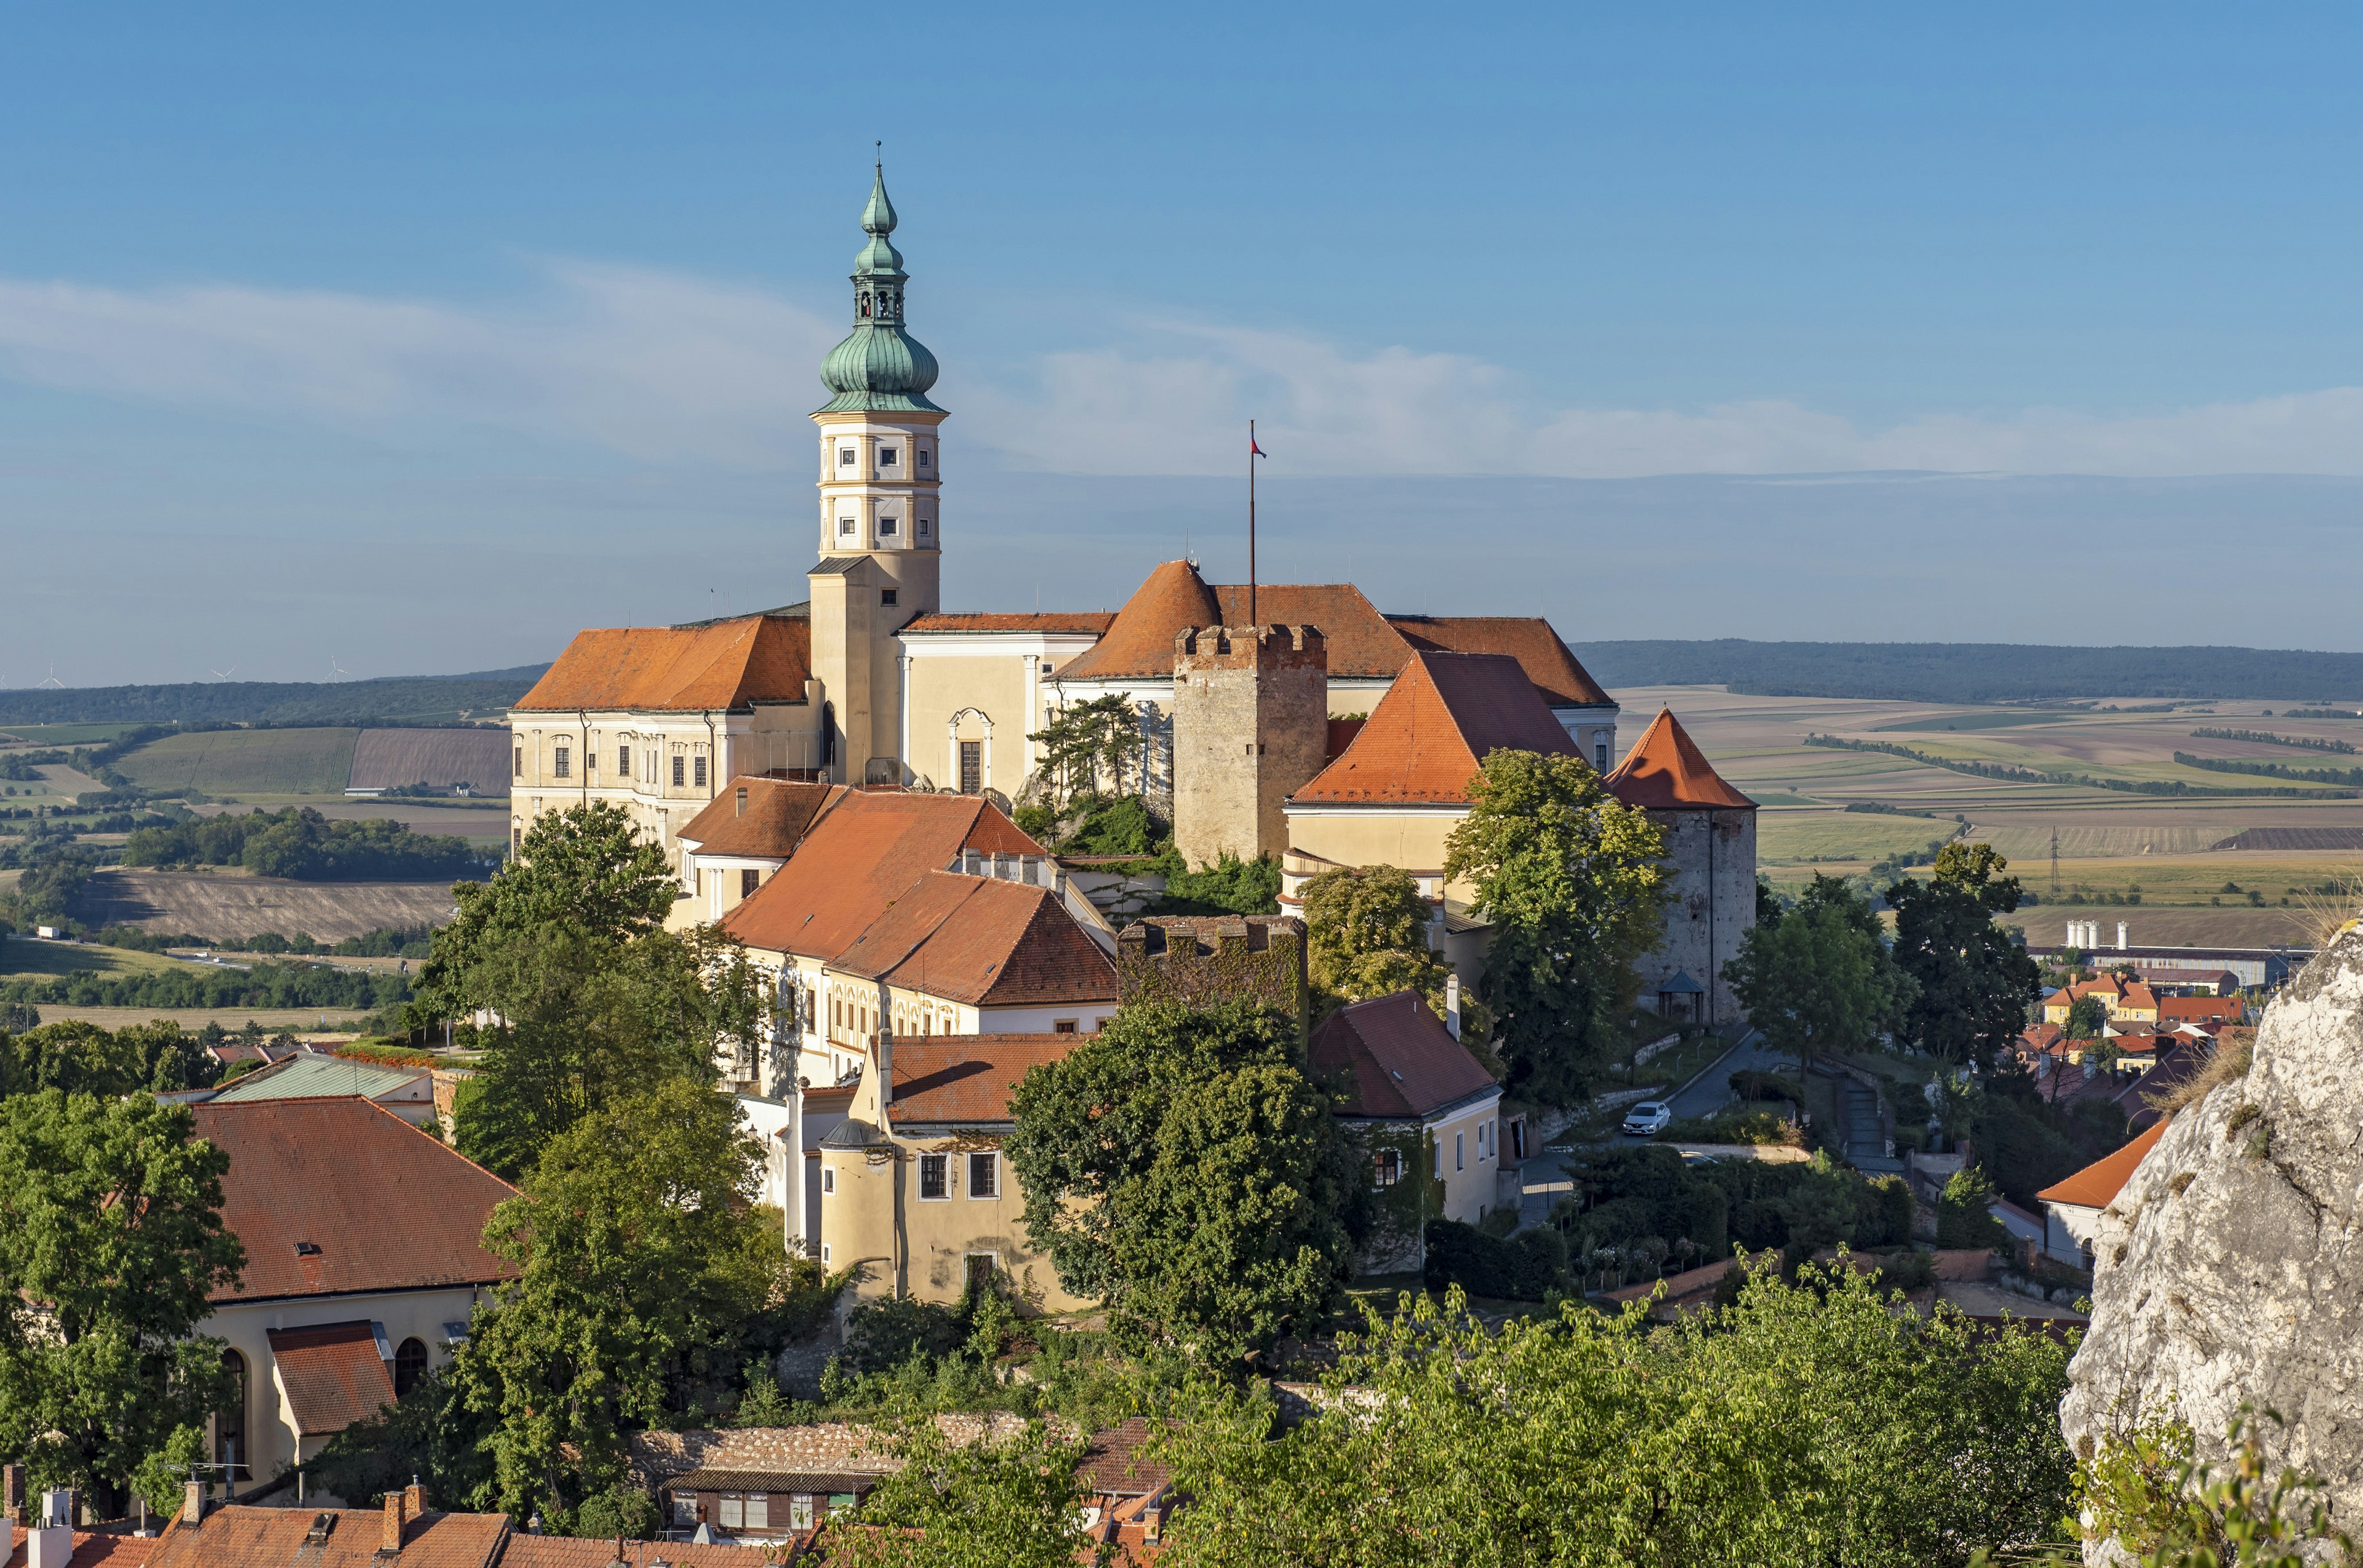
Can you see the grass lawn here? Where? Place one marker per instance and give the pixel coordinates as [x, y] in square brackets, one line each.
[241, 761]
[62, 734]
[29, 958]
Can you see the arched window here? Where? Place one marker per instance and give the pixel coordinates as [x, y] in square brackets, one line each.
[230, 1421]
[409, 1365]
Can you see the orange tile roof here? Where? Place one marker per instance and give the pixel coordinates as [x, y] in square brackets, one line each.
[1393, 1056]
[332, 1374]
[1140, 641]
[968, 1077]
[1095, 622]
[1665, 771]
[1547, 661]
[984, 941]
[722, 664]
[858, 860]
[1444, 715]
[2098, 1184]
[573, 1552]
[241, 1536]
[1358, 638]
[91, 1550]
[386, 1206]
[778, 814]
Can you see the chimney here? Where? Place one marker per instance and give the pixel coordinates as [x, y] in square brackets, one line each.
[414, 1499]
[2121, 936]
[193, 1503]
[1452, 1003]
[12, 1492]
[50, 1544]
[393, 1520]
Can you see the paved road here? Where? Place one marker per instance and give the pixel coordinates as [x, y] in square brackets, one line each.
[1712, 1092]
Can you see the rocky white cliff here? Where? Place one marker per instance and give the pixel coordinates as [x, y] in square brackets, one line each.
[2230, 1268]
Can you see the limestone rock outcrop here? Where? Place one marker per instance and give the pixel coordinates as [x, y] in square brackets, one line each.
[2230, 1267]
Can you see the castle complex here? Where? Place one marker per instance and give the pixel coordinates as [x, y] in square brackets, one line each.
[1326, 733]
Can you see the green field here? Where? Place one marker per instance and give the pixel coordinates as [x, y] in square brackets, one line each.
[247, 761]
[61, 734]
[28, 958]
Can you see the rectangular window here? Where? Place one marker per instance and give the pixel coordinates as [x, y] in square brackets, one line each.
[624, 759]
[885, 456]
[887, 596]
[887, 528]
[684, 1511]
[561, 762]
[1457, 1141]
[923, 457]
[516, 841]
[924, 527]
[827, 1180]
[758, 1510]
[734, 1510]
[1439, 1171]
[520, 761]
[845, 457]
[981, 1267]
[845, 525]
[700, 766]
[984, 1175]
[1063, 1025]
[824, 1252]
[677, 765]
[1599, 755]
[935, 1179]
[1386, 1167]
[800, 1511]
[971, 780]
[748, 882]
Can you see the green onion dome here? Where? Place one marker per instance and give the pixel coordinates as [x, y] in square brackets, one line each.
[879, 366]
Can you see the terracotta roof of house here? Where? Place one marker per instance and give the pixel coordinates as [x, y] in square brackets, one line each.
[573, 1552]
[385, 1206]
[709, 1478]
[2098, 1184]
[92, 1549]
[1665, 771]
[981, 940]
[968, 1077]
[778, 813]
[1095, 622]
[242, 1536]
[721, 665]
[332, 1374]
[868, 852]
[1394, 1058]
[1547, 661]
[2203, 1009]
[1139, 640]
[1115, 1464]
[1445, 714]
[1356, 636]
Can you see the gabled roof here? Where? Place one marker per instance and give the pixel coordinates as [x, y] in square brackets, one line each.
[1445, 714]
[868, 852]
[1394, 1057]
[1357, 636]
[387, 1206]
[1092, 622]
[332, 1374]
[1140, 641]
[967, 1077]
[1665, 771]
[92, 1549]
[243, 1536]
[2098, 1184]
[1547, 660]
[308, 1076]
[981, 940]
[778, 813]
[577, 1552]
[721, 665]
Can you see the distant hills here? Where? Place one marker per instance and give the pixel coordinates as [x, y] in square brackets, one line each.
[1975, 672]
[399, 699]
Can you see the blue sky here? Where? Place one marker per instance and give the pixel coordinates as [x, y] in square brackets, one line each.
[416, 338]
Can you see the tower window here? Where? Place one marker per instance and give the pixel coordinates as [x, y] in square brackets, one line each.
[845, 525]
[886, 597]
[845, 457]
[885, 456]
[887, 528]
[924, 526]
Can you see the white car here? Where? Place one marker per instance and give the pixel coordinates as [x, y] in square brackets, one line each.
[1648, 1119]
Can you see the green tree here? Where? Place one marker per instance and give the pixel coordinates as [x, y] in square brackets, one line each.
[1574, 883]
[1820, 979]
[1014, 1502]
[2087, 1016]
[640, 1265]
[1366, 935]
[83, 1059]
[1082, 741]
[1963, 1216]
[1180, 1167]
[1974, 981]
[110, 1242]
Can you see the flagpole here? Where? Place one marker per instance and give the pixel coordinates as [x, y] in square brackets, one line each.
[1251, 560]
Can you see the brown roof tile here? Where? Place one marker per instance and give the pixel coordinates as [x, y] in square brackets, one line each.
[1393, 1057]
[710, 1478]
[573, 1551]
[2098, 1184]
[1665, 771]
[1139, 640]
[238, 1536]
[1547, 660]
[1357, 636]
[388, 1206]
[1445, 714]
[968, 1077]
[333, 1374]
[1115, 1464]
[858, 860]
[721, 665]
[1095, 622]
[776, 815]
[92, 1549]
[984, 941]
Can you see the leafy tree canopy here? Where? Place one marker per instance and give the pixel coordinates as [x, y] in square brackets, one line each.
[1820, 978]
[1012, 1503]
[1972, 981]
[2087, 1016]
[81, 1058]
[1575, 884]
[1085, 739]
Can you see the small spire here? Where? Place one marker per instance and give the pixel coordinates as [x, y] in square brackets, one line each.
[878, 217]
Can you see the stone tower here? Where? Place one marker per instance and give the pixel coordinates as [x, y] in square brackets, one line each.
[881, 531]
[1710, 849]
[1250, 727]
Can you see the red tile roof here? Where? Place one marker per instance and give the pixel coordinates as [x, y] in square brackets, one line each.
[240, 1536]
[387, 1206]
[572, 1551]
[1665, 771]
[1095, 622]
[858, 860]
[332, 1374]
[1140, 641]
[1357, 636]
[1115, 1464]
[1547, 661]
[721, 665]
[2202, 1009]
[2098, 1184]
[968, 1077]
[1445, 714]
[91, 1550]
[778, 813]
[984, 941]
[1393, 1057]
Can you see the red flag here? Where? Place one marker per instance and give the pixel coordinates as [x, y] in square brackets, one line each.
[1254, 450]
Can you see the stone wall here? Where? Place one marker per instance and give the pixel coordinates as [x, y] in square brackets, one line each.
[1250, 727]
[1199, 960]
[1712, 856]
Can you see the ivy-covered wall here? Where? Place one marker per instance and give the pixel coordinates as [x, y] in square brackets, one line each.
[1199, 960]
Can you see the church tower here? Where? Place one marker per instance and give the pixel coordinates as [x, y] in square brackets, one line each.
[881, 531]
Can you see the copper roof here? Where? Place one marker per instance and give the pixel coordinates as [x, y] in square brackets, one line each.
[722, 664]
[240, 1536]
[1665, 771]
[383, 1206]
[776, 815]
[1393, 1056]
[1140, 641]
[2098, 1184]
[1094, 622]
[333, 1375]
[981, 940]
[1445, 714]
[1548, 662]
[91, 1550]
[858, 860]
[968, 1077]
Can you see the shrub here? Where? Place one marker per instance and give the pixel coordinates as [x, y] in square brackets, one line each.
[1525, 1267]
[882, 1335]
[1961, 1217]
[618, 1511]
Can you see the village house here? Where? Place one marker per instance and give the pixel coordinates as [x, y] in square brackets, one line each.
[2072, 1207]
[2128, 1001]
[407, 1092]
[735, 845]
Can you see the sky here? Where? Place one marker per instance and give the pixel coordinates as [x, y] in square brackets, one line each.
[385, 340]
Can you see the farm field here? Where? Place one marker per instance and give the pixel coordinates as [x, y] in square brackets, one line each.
[304, 1023]
[241, 761]
[29, 958]
[227, 903]
[386, 759]
[485, 822]
[61, 734]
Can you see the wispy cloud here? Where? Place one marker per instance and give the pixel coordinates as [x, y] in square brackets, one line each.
[670, 367]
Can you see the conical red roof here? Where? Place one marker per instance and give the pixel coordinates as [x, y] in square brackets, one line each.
[1139, 642]
[1665, 771]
